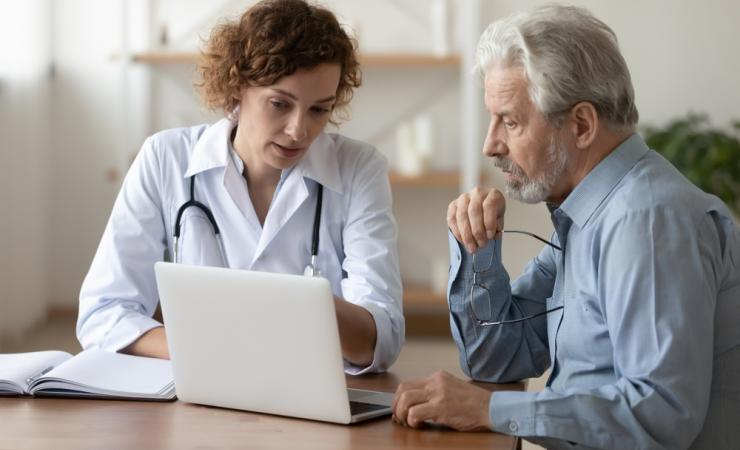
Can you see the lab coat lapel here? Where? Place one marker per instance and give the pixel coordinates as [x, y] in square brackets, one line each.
[321, 165]
[291, 196]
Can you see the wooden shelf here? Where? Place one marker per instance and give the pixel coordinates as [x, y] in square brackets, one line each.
[165, 57]
[449, 179]
[423, 296]
[408, 59]
[367, 60]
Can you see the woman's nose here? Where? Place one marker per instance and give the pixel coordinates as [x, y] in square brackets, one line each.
[297, 127]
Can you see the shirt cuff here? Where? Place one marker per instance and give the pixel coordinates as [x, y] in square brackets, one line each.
[386, 349]
[127, 330]
[513, 412]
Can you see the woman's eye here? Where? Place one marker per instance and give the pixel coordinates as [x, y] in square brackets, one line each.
[279, 106]
[320, 110]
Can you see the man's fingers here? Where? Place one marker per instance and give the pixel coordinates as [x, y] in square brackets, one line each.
[463, 224]
[406, 400]
[407, 386]
[422, 412]
[476, 215]
[494, 207]
[452, 220]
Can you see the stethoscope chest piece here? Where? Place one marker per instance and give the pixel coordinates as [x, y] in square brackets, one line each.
[311, 270]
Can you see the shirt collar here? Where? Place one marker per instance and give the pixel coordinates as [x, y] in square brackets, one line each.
[320, 163]
[601, 181]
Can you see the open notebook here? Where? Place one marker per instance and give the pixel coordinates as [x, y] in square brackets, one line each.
[92, 373]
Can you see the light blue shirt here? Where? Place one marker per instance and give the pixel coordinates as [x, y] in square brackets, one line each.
[645, 353]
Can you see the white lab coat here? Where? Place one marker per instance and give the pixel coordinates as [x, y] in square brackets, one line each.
[357, 249]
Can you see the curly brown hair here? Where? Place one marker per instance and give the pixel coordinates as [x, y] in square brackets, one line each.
[273, 39]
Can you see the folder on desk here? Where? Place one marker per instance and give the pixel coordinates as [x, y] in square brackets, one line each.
[93, 373]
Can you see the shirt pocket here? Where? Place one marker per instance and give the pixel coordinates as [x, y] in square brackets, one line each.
[584, 340]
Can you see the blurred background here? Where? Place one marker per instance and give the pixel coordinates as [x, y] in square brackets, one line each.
[84, 82]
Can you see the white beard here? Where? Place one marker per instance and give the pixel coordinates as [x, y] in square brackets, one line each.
[536, 190]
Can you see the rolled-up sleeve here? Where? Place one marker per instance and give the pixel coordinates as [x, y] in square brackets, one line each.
[373, 278]
[119, 296]
[500, 353]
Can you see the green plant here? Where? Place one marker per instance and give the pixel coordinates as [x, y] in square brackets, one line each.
[709, 157]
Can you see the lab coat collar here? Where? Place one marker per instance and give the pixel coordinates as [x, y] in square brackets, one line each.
[320, 163]
[212, 149]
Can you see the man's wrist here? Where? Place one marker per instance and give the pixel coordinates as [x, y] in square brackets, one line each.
[486, 412]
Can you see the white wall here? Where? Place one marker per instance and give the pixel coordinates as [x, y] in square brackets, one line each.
[24, 110]
[87, 120]
[682, 54]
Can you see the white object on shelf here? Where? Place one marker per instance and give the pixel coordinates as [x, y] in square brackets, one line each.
[415, 145]
[423, 137]
[408, 160]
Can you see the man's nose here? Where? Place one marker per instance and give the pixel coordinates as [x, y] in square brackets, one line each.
[494, 144]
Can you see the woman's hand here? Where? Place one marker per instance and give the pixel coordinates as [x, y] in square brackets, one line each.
[477, 217]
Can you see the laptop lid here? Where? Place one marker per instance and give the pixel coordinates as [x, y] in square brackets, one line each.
[257, 341]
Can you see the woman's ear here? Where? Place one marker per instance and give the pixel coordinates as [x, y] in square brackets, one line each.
[584, 124]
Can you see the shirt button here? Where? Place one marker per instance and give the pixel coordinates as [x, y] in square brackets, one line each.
[513, 426]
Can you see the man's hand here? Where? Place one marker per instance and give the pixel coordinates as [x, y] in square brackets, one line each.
[477, 217]
[443, 400]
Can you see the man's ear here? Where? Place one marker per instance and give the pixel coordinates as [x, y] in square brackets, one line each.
[583, 122]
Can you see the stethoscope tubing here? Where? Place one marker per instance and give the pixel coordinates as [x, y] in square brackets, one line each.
[209, 214]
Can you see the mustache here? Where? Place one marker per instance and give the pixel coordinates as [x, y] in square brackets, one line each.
[507, 166]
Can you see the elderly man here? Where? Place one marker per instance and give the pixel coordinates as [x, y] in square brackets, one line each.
[634, 306]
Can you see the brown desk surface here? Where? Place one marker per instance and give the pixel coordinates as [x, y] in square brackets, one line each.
[79, 424]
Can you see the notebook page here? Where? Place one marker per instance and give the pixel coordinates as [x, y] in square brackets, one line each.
[108, 371]
[17, 367]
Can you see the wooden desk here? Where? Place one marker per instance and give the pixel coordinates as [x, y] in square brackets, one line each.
[102, 424]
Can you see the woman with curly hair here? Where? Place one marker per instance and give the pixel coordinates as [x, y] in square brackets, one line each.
[280, 73]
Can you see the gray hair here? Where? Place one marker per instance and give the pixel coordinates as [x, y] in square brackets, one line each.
[568, 56]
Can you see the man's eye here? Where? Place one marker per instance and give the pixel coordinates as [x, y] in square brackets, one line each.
[510, 125]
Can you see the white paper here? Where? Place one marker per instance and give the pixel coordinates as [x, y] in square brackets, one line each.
[18, 367]
[108, 372]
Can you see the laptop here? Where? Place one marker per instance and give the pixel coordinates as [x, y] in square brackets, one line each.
[261, 342]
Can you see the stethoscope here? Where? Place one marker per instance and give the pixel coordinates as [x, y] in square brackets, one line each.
[310, 270]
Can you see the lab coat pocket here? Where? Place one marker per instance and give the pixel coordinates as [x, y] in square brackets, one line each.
[198, 243]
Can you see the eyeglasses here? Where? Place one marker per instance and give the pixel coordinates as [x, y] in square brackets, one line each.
[478, 291]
